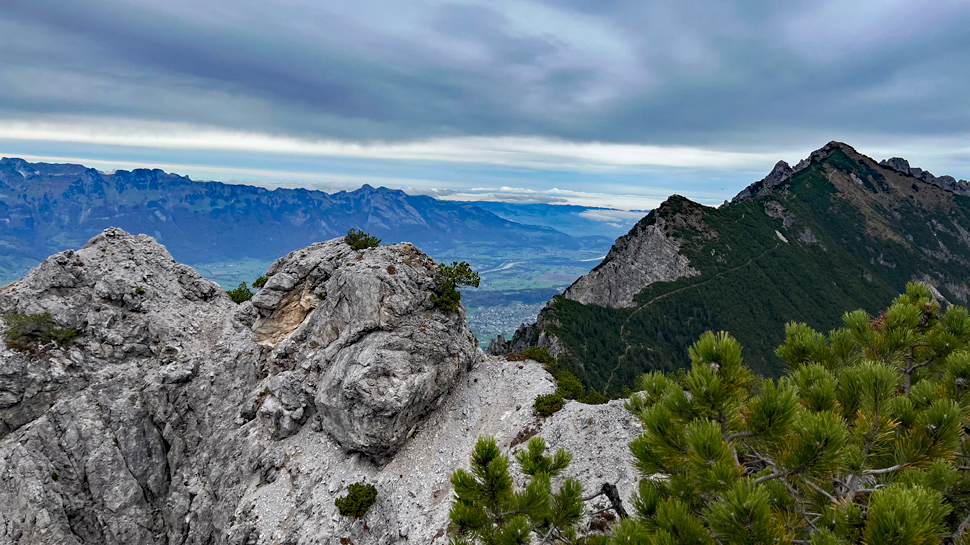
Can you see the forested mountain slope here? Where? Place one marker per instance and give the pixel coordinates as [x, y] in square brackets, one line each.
[837, 232]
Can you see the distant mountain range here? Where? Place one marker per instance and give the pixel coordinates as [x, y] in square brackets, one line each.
[46, 208]
[570, 219]
[837, 232]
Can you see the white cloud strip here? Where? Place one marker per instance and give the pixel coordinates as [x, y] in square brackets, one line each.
[520, 151]
[621, 204]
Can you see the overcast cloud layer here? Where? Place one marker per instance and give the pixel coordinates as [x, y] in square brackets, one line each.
[625, 98]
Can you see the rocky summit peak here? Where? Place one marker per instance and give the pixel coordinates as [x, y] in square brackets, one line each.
[175, 415]
[781, 172]
[835, 144]
[645, 255]
[896, 163]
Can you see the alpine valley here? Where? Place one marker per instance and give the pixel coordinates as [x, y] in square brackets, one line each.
[232, 233]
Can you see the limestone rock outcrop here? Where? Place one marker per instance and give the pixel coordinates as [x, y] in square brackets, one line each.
[949, 183]
[647, 254]
[776, 177]
[363, 323]
[177, 416]
[499, 346]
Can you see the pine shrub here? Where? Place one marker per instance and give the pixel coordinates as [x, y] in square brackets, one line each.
[548, 404]
[446, 296]
[569, 385]
[488, 510]
[861, 443]
[359, 240]
[541, 355]
[240, 294]
[359, 499]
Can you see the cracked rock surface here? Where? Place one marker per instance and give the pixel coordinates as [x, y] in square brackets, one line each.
[645, 255]
[177, 416]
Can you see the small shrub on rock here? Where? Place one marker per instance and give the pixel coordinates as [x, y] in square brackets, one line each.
[549, 404]
[359, 240]
[569, 385]
[240, 294]
[260, 282]
[360, 497]
[29, 331]
[540, 355]
[446, 296]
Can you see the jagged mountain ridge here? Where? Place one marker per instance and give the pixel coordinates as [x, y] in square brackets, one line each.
[837, 232]
[46, 208]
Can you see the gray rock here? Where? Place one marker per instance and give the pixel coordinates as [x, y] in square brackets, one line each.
[645, 255]
[896, 163]
[949, 183]
[363, 325]
[180, 417]
[520, 340]
[285, 406]
[776, 210]
[779, 174]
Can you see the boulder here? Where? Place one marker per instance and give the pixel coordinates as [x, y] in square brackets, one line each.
[363, 325]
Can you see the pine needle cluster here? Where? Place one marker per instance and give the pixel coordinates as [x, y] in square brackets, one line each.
[487, 510]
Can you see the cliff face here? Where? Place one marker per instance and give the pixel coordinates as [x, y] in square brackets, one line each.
[177, 416]
[649, 253]
[836, 232]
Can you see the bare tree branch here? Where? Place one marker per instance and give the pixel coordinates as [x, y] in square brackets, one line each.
[884, 470]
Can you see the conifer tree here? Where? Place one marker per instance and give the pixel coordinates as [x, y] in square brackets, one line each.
[862, 442]
[487, 510]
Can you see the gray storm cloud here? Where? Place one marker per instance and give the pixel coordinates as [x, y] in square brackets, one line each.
[719, 74]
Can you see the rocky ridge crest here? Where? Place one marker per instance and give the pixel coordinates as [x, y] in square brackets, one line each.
[949, 183]
[177, 416]
[837, 218]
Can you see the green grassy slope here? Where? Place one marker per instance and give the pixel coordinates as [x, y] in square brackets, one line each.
[871, 231]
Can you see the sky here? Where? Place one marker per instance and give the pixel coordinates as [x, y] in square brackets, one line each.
[601, 103]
